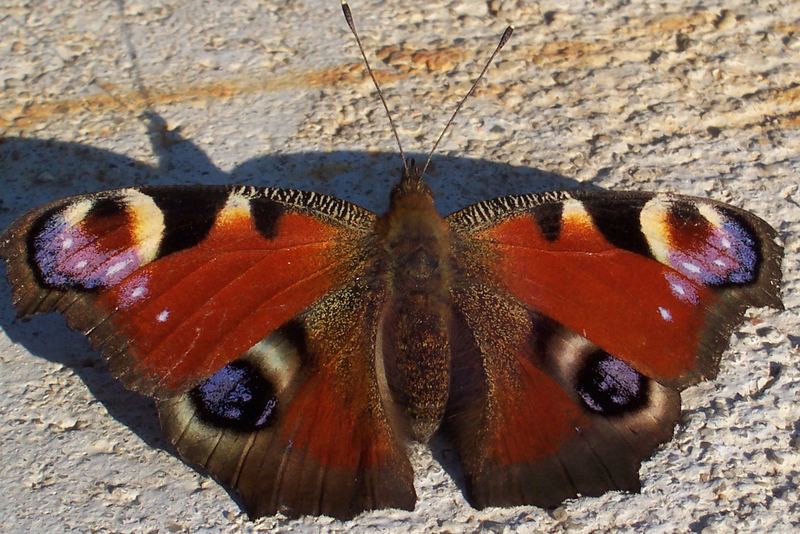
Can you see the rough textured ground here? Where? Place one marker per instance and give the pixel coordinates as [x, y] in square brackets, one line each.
[700, 100]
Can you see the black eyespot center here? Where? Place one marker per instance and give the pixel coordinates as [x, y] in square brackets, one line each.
[237, 397]
[609, 386]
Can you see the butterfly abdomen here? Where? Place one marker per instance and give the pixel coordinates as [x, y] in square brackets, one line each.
[416, 315]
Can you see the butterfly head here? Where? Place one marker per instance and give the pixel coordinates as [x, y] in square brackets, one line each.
[411, 184]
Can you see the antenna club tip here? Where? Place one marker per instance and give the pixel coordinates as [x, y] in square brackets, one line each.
[348, 16]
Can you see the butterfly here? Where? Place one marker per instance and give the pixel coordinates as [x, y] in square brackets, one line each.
[295, 342]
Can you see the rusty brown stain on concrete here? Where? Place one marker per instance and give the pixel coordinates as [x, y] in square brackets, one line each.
[406, 58]
[567, 51]
[786, 27]
[768, 121]
[788, 95]
[402, 60]
[343, 74]
[789, 121]
[680, 23]
[777, 107]
[28, 114]
[581, 53]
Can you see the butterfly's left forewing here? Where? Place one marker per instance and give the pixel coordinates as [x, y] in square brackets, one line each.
[249, 314]
[580, 317]
[171, 283]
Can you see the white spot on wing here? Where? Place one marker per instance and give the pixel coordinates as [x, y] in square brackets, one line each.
[81, 264]
[665, 314]
[163, 316]
[68, 242]
[691, 267]
[117, 267]
[681, 289]
[726, 243]
[134, 290]
[677, 289]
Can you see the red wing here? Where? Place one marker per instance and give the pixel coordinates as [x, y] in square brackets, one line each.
[297, 424]
[659, 281]
[539, 414]
[173, 283]
[249, 314]
[580, 318]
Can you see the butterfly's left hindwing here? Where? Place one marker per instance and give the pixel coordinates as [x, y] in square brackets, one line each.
[249, 314]
[297, 424]
[582, 315]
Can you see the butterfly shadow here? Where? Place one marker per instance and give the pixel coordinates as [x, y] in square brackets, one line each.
[34, 172]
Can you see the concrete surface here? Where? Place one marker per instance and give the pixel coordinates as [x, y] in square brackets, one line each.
[697, 99]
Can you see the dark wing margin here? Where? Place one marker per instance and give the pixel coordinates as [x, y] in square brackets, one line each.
[580, 318]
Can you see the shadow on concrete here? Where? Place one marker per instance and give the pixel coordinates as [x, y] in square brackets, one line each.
[33, 172]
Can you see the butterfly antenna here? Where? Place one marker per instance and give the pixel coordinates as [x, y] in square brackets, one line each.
[348, 16]
[503, 40]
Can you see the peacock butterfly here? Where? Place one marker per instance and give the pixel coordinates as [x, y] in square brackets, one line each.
[295, 341]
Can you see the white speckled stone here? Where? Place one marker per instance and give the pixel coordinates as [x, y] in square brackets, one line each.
[700, 99]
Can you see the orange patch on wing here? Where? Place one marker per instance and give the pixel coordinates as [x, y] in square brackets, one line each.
[110, 233]
[578, 231]
[333, 423]
[619, 300]
[688, 235]
[190, 313]
[535, 416]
